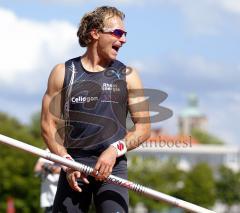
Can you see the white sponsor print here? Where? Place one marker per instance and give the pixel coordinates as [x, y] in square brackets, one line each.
[110, 87]
[83, 99]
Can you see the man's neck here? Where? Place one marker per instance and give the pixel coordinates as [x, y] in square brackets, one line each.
[93, 63]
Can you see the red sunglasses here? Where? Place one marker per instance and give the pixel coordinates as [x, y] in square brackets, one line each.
[118, 33]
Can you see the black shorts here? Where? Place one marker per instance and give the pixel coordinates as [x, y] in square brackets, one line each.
[107, 197]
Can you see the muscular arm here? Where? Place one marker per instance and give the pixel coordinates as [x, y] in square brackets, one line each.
[141, 130]
[50, 120]
[139, 110]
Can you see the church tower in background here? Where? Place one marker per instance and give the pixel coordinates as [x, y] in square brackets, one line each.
[191, 117]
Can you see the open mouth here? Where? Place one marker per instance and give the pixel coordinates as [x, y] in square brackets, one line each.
[116, 48]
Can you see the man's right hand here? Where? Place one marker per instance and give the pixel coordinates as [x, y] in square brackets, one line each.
[72, 176]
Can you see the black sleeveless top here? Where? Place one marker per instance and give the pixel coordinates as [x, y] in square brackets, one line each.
[95, 105]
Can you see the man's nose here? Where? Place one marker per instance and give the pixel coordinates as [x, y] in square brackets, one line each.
[123, 39]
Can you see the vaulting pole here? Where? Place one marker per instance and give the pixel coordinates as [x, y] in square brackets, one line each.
[112, 179]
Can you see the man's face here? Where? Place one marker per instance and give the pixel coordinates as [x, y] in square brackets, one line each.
[108, 44]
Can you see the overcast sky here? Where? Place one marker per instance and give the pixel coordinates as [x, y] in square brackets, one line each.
[178, 46]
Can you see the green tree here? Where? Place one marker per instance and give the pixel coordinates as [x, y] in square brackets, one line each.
[199, 186]
[228, 187]
[16, 177]
[150, 172]
[34, 126]
[204, 137]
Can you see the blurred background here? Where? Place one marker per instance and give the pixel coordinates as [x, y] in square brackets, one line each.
[188, 49]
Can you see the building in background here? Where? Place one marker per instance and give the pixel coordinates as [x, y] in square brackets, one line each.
[191, 117]
[188, 156]
[186, 149]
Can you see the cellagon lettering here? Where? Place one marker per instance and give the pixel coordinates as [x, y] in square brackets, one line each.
[83, 99]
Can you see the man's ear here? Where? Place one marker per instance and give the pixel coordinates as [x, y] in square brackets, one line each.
[95, 34]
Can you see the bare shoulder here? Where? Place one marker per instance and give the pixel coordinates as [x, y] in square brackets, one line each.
[133, 79]
[56, 79]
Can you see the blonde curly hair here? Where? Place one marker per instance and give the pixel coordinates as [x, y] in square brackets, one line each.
[95, 20]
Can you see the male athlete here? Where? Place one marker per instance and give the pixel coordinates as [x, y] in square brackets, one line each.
[96, 93]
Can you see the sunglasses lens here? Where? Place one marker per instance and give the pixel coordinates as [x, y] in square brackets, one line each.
[119, 33]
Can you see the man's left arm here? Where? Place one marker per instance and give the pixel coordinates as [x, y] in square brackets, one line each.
[139, 110]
